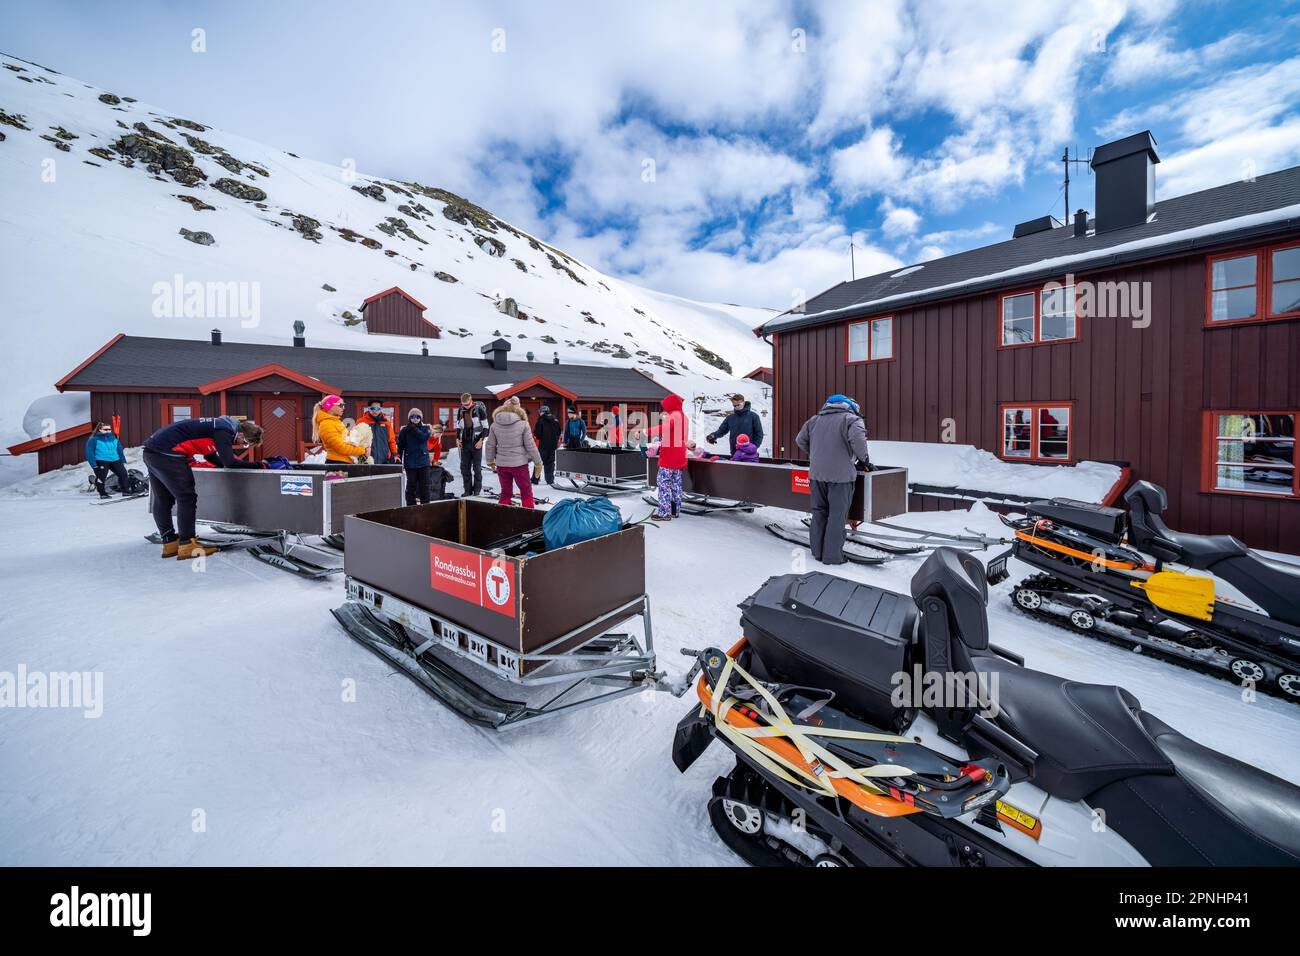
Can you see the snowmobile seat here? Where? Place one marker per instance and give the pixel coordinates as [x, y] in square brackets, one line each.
[1273, 585]
[1214, 810]
[1149, 533]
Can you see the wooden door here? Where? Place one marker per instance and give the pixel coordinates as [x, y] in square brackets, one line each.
[278, 417]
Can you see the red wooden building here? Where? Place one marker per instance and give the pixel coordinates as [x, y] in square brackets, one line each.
[393, 312]
[143, 383]
[1163, 335]
[762, 374]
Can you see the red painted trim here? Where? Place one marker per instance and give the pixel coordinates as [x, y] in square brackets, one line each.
[893, 340]
[759, 370]
[379, 295]
[1210, 449]
[1268, 289]
[252, 375]
[776, 397]
[537, 380]
[166, 404]
[59, 385]
[1037, 292]
[1117, 489]
[58, 438]
[1034, 458]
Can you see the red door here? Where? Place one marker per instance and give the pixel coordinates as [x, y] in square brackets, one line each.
[280, 426]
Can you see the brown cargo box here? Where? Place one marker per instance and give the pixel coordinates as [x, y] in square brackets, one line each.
[436, 558]
[297, 501]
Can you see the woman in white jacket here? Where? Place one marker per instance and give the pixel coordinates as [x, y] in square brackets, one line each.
[510, 447]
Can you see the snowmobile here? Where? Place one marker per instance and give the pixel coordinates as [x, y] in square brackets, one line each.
[834, 766]
[1204, 601]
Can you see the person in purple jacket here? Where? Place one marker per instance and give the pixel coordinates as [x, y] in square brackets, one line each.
[746, 450]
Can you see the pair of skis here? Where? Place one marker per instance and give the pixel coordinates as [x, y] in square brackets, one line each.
[917, 541]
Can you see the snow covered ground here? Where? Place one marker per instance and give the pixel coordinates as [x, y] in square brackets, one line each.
[223, 702]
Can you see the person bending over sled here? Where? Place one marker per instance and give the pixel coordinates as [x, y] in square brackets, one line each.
[104, 454]
[746, 450]
[171, 480]
[510, 447]
[327, 429]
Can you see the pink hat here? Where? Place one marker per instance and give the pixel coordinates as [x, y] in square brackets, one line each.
[330, 401]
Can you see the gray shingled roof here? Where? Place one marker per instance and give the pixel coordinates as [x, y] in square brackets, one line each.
[140, 362]
[980, 269]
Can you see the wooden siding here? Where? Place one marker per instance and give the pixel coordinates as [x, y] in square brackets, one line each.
[1138, 393]
[395, 314]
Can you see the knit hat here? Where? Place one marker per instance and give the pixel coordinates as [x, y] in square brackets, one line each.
[329, 402]
[842, 400]
[742, 439]
[413, 412]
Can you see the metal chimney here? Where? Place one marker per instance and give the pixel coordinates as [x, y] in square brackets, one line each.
[1080, 223]
[424, 348]
[216, 336]
[556, 360]
[1126, 181]
[495, 352]
[299, 341]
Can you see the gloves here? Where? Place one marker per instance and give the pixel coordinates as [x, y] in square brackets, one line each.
[537, 473]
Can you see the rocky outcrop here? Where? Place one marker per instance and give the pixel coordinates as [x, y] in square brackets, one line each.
[712, 358]
[445, 277]
[190, 124]
[16, 120]
[202, 238]
[64, 147]
[164, 156]
[561, 267]
[307, 227]
[493, 247]
[519, 264]
[508, 307]
[197, 204]
[328, 288]
[239, 190]
[373, 190]
[109, 99]
[101, 152]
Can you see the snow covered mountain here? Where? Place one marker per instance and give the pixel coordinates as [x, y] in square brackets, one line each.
[116, 216]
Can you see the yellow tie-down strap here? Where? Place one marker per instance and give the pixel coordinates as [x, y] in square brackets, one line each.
[785, 748]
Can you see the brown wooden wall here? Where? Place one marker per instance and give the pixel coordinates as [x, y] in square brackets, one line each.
[1138, 394]
[397, 315]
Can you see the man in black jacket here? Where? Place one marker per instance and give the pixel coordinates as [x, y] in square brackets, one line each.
[471, 430]
[171, 480]
[743, 420]
[547, 433]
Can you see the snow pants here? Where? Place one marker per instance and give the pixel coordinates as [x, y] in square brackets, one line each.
[548, 464]
[830, 513]
[471, 468]
[669, 486]
[116, 467]
[419, 485]
[516, 475]
[171, 484]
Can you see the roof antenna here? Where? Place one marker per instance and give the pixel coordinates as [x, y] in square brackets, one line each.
[853, 268]
[1067, 162]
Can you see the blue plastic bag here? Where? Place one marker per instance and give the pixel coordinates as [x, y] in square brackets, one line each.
[580, 519]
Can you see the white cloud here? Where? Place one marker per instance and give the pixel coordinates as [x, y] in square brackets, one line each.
[899, 220]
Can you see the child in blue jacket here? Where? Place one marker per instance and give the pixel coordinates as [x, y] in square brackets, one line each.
[104, 453]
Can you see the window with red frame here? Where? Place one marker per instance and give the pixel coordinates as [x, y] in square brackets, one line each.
[1036, 431]
[871, 340]
[178, 410]
[1253, 285]
[1252, 452]
[1039, 315]
[590, 414]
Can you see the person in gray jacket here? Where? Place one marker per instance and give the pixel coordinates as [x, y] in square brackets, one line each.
[835, 440]
[510, 447]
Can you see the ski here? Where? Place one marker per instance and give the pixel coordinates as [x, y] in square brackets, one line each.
[334, 540]
[299, 566]
[898, 544]
[856, 553]
[117, 499]
[973, 537]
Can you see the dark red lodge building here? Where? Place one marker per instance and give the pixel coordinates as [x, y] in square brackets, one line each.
[394, 312]
[143, 383]
[1161, 335]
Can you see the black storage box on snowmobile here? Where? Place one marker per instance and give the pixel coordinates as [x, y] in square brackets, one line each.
[818, 630]
[1098, 520]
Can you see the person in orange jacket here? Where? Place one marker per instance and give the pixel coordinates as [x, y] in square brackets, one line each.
[383, 432]
[327, 428]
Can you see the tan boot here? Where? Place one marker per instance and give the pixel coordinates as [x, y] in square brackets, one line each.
[192, 549]
[170, 548]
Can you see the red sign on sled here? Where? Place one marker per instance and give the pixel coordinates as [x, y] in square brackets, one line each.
[473, 577]
[799, 483]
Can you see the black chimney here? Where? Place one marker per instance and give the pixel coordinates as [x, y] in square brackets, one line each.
[531, 356]
[495, 352]
[1080, 223]
[556, 360]
[216, 336]
[424, 348]
[299, 328]
[1126, 181]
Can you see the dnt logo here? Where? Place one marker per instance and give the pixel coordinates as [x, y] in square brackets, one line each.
[497, 585]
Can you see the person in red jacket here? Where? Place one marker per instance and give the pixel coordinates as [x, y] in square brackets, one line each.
[204, 447]
[435, 446]
[673, 432]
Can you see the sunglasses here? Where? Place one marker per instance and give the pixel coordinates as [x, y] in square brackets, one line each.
[415, 418]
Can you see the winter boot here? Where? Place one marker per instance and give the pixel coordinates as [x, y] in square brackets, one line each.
[170, 547]
[192, 549]
[658, 517]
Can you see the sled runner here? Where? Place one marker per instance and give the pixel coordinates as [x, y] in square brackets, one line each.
[1103, 573]
[857, 553]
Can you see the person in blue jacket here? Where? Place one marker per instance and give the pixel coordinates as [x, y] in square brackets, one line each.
[575, 430]
[104, 454]
[171, 480]
[743, 420]
[413, 449]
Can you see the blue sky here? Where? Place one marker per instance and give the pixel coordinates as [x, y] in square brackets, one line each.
[724, 151]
